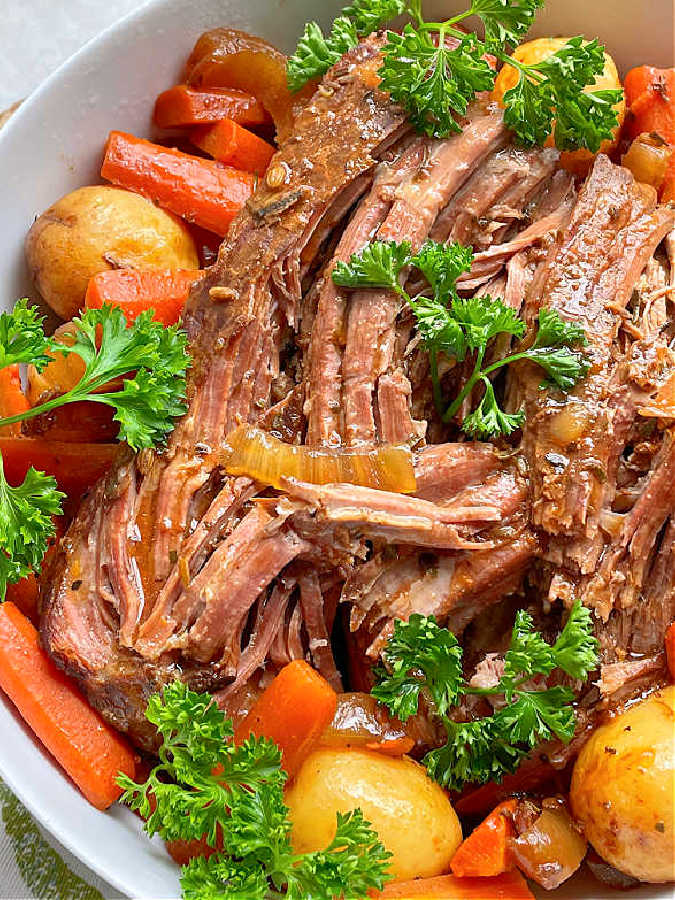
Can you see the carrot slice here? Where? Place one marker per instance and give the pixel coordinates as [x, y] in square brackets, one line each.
[293, 711]
[90, 751]
[233, 145]
[509, 886]
[135, 292]
[199, 190]
[76, 467]
[12, 398]
[486, 850]
[182, 105]
[670, 649]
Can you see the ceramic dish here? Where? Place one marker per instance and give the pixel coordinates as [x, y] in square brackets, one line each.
[52, 145]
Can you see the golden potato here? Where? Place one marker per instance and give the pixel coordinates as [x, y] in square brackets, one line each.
[411, 814]
[578, 161]
[623, 789]
[97, 228]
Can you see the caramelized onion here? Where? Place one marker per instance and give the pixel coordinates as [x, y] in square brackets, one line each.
[227, 58]
[551, 849]
[359, 722]
[264, 458]
[647, 158]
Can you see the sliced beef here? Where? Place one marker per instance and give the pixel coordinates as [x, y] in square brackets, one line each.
[127, 543]
[573, 441]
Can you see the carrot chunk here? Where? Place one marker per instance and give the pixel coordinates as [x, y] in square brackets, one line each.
[12, 398]
[76, 467]
[293, 711]
[233, 145]
[135, 292]
[509, 886]
[90, 751]
[200, 190]
[182, 106]
[650, 95]
[486, 850]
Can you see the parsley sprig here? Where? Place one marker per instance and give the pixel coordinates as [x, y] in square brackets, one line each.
[26, 524]
[152, 360]
[422, 659]
[205, 785]
[457, 327]
[434, 79]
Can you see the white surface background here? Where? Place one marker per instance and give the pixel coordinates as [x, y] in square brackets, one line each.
[37, 35]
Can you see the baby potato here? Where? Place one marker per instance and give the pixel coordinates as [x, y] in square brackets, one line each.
[623, 789]
[97, 228]
[578, 162]
[411, 814]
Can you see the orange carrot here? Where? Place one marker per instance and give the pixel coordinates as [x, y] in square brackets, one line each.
[670, 649]
[509, 886]
[24, 594]
[182, 105]
[200, 190]
[12, 398]
[76, 467]
[182, 852]
[233, 145]
[90, 751]
[650, 96]
[134, 292]
[486, 850]
[293, 711]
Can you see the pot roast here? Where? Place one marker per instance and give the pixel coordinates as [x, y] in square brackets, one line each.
[173, 569]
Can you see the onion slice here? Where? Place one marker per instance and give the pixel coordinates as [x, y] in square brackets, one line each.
[263, 457]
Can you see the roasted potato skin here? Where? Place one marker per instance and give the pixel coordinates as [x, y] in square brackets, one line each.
[623, 789]
[411, 814]
[97, 228]
[578, 162]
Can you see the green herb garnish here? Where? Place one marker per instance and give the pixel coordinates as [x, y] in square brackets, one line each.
[422, 659]
[458, 327]
[435, 80]
[205, 785]
[152, 360]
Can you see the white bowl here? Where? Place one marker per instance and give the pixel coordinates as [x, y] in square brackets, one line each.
[54, 144]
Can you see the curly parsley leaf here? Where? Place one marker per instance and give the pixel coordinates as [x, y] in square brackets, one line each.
[505, 21]
[434, 82]
[416, 647]
[316, 53]
[150, 358]
[423, 660]
[554, 90]
[441, 265]
[22, 337]
[26, 524]
[205, 785]
[489, 419]
[369, 15]
[576, 650]
[378, 265]
[455, 326]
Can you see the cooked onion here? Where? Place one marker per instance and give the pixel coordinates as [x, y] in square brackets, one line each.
[264, 458]
[551, 849]
[647, 158]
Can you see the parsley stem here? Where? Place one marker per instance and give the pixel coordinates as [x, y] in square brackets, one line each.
[468, 387]
[530, 71]
[74, 395]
